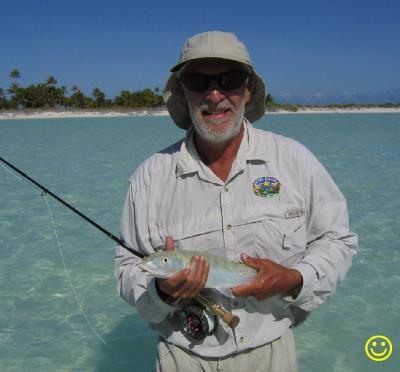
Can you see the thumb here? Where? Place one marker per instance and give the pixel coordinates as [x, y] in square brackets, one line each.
[169, 243]
[250, 261]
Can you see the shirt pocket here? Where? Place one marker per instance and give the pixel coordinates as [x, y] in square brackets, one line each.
[276, 232]
[195, 233]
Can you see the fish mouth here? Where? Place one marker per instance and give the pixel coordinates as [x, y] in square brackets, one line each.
[147, 269]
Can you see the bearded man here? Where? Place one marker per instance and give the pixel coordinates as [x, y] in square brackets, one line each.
[249, 195]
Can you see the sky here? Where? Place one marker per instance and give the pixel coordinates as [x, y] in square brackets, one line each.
[306, 51]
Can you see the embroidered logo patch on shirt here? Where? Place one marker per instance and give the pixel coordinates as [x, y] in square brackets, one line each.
[266, 187]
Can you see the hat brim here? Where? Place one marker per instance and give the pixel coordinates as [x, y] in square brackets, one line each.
[178, 108]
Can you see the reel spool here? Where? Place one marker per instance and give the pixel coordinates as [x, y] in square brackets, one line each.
[197, 322]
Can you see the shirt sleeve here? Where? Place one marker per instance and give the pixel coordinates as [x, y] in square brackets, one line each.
[330, 243]
[133, 285]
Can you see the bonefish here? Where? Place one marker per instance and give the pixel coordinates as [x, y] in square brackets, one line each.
[223, 273]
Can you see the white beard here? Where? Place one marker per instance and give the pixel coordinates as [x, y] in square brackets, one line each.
[211, 131]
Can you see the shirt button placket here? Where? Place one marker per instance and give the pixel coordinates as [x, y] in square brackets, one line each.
[227, 217]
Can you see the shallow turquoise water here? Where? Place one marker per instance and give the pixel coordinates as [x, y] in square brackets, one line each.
[88, 162]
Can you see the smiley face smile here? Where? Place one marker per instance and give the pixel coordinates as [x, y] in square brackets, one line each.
[378, 348]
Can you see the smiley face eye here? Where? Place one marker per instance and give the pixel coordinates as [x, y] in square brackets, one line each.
[165, 260]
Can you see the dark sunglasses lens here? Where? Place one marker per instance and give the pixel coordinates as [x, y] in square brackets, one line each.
[195, 82]
[227, 81]
[232, 80]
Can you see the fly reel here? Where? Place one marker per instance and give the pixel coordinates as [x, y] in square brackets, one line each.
[196, 321]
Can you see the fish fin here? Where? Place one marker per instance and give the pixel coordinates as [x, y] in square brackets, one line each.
[225, 291]
[219, 252]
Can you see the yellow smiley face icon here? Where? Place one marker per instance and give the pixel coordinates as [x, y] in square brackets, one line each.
[378, 348]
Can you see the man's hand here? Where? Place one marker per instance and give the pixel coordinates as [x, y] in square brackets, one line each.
[271, 279]
[187, 282]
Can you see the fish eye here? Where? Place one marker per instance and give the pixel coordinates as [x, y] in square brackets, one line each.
[165, 260]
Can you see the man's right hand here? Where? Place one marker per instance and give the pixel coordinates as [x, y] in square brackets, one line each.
[187, 282]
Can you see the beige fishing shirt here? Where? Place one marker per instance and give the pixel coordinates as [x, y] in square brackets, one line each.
[277, 203]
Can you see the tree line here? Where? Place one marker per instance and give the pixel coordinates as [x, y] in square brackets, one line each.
[49, 95]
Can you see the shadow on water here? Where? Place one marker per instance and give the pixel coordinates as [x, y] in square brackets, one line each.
[132, 347]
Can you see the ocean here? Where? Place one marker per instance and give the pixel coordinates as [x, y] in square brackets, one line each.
[88, 161]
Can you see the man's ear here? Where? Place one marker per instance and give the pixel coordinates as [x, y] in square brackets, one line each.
[247, 96]
[247, 93]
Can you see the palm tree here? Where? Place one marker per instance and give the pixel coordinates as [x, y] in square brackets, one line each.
[15, 74]
[269, 100]
[99, 97]
[51, 80]
[3, 100]
[51, 91]
[14, 88]
[77, 99]
[75, 89]
[64, 92]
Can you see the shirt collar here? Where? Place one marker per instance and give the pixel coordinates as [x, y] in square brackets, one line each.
[189, 160]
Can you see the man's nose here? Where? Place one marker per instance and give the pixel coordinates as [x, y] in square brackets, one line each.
[215, 93]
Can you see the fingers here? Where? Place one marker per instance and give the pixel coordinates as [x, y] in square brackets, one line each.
[253, 262]
[172, 284]
[272, 278]
[244, 290]
[197, 278]
[179, 278]
[169, 243]
[251, 289]
[187, 282]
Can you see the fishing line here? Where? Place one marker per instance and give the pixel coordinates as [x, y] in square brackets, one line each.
[11, 172]
[73, 209]
[76, 297]
[214, 308]
[165, 355]
[78, 301]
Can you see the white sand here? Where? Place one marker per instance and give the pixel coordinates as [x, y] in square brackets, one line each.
[55, 114]
[324, 110]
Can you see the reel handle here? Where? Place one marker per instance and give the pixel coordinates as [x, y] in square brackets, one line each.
[230, 319]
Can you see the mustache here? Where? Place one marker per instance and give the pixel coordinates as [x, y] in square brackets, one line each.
[215, 106]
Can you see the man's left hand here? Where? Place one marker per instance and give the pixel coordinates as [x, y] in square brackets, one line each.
[271, 279]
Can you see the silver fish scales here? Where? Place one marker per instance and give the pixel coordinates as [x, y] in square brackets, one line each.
[223, 273]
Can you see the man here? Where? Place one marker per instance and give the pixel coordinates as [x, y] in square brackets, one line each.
[257, 197]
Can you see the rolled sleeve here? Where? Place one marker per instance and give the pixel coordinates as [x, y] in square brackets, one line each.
[310, 279]
[331, 245]
[133, 285]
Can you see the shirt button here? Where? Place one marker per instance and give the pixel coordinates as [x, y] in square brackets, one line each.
[226, 189]
[229, 227]
[242, 339]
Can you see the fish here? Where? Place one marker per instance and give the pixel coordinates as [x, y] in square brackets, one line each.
[223, 273]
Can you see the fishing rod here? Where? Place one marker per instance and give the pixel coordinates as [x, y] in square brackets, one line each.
[216, 309]
[69, 206]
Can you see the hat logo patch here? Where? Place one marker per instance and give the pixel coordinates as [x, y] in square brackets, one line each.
[266, 187]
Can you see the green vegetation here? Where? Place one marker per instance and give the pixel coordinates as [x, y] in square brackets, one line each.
[272, 106]
[49, 95]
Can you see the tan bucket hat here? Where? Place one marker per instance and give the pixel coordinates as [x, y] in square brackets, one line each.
[212, 44]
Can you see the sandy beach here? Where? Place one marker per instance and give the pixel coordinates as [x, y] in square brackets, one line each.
[62, 114]
[325, 110]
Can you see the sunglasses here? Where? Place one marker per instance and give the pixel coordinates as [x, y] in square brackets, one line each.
[227, 81]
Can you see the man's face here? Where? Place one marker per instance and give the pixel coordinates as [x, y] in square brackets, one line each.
[217, 114]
